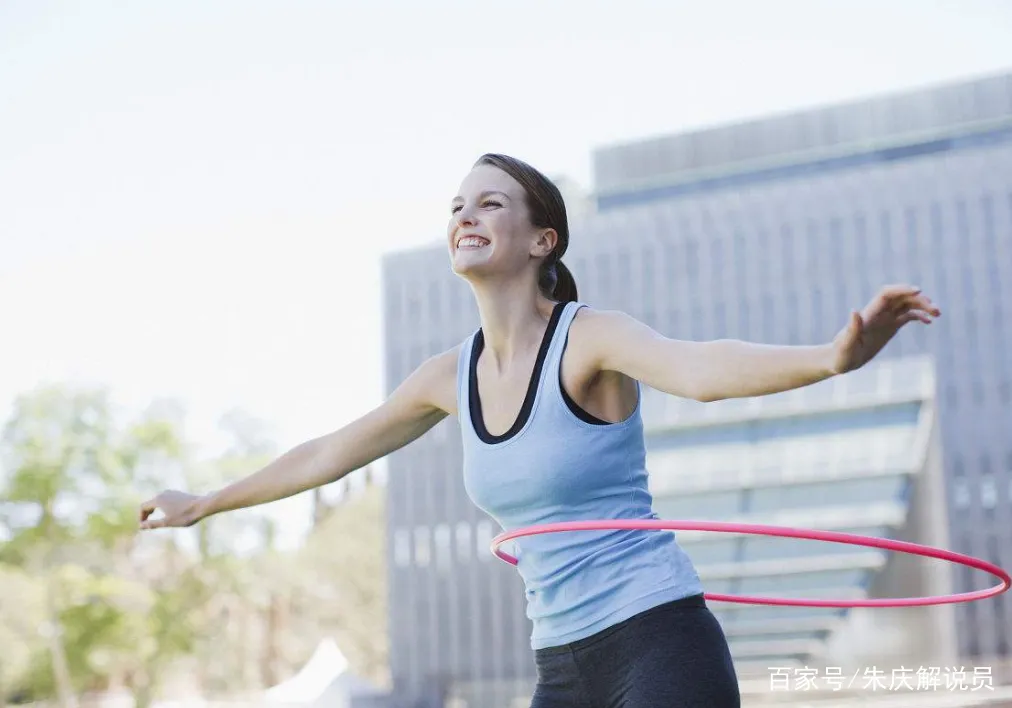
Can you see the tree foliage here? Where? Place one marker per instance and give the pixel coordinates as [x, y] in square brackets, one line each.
[89, 605]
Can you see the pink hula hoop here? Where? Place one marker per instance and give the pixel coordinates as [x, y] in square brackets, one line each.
[809, 534]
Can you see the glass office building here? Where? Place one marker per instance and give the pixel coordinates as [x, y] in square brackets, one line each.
[769, 231]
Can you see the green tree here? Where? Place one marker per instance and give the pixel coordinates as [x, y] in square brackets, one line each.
[72, 483]
[341, 585]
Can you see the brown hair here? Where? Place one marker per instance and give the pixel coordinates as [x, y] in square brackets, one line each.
[547, 211]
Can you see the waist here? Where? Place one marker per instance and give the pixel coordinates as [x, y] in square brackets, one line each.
[695, 601]
[573, 596]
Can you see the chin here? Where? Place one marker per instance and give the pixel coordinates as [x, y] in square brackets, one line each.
[469, 263]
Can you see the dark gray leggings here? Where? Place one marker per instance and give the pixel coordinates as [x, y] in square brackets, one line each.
[671, 656]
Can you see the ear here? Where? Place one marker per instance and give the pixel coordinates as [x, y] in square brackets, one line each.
[544, 243]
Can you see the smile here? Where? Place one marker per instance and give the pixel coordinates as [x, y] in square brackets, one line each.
[472, 242]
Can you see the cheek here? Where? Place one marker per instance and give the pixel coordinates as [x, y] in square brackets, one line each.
[506, 230]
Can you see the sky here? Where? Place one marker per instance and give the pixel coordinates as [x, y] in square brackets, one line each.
[195, 197]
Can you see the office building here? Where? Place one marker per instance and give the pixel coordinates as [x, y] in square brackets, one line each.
[769, 231]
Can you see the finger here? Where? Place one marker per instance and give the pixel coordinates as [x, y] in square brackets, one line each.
[856, 323]
[148, 508]
[914, 302]
[914, 316]
[892, 297]
[153, 524]
[923, 302]
[900, 290]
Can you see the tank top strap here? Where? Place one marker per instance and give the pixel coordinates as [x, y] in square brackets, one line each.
[553, 362]
[464, 383]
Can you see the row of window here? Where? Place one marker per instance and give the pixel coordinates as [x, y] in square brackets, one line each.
[689, 257]
[443, 544]
[750, 315]
[622, 172]
[986, 492]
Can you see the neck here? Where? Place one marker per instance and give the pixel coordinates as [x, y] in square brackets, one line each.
[513, 318]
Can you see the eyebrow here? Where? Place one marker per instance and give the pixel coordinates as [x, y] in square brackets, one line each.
[481, 196]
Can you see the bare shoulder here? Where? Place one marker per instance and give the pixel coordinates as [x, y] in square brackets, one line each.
[612, 340]
[603, 335]
[593, 322]
[434, 382]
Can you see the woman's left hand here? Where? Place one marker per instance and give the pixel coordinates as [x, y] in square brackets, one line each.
[872, 328]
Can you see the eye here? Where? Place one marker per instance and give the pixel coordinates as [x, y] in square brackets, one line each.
[455, 208]
[491, 203]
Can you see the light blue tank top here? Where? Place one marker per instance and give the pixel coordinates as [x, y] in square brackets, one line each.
[557, 464]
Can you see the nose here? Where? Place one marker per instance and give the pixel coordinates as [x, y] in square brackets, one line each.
[465, 217]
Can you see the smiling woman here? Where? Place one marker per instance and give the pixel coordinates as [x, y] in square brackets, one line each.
[547, 394]
[545, 209]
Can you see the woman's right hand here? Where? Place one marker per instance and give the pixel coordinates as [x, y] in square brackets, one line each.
[424, 399]
[179, 509]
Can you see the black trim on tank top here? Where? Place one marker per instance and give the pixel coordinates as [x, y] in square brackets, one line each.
[575, 408]
[474, 400]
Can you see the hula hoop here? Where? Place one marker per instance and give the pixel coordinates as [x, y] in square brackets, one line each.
[809, 534]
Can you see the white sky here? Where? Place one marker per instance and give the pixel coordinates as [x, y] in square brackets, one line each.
[194, 196]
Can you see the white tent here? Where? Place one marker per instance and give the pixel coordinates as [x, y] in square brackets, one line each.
[324, 680]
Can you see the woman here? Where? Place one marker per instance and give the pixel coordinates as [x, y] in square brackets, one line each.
[548, 397]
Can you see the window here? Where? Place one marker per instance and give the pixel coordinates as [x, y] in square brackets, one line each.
[716, 258]
[888, 251]
[988, 491]
[674, 325]
[720, 321]
[740, 262]
[463, 541]
[402, 548]
[961, 494]
[434, 302]
[937, 227]
[603, 268]
[969, 292]
[697, 322]
[483, 540]
[910, 217]
[394, 302]
[691, 266]
[836, 240]
[442, 543]
[422, 551]
[787, 246]
[624, 269]
[648, 279]
[769, 321]
[861, 240]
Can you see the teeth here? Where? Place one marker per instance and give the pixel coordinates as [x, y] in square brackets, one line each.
[471, 241]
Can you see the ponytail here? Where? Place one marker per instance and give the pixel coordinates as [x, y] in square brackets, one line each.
[557, 282]
[565, 284]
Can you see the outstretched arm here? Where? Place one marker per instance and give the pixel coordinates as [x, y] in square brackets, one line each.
[727, 368]
[424, 399]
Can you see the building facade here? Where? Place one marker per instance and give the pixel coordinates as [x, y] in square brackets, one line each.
[769, 231]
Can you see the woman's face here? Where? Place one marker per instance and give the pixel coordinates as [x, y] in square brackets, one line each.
[490, 231]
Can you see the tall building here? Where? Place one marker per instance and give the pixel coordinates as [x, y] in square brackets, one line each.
[768, 231]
